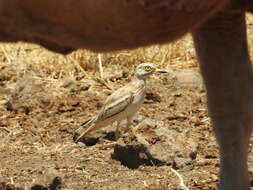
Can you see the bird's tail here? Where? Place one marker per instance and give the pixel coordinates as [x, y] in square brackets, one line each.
[81, 131]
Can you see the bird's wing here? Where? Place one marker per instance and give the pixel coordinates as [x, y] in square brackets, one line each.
[116, 103]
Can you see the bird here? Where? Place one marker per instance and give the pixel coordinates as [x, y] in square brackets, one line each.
[121, 104]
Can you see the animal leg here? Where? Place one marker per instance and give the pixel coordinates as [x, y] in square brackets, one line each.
[129, 124]
[117, 132]
[223, 55]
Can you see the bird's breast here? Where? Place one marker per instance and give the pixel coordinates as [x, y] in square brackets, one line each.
[139, 96]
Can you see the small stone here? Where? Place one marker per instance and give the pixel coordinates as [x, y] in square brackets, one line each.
[81, 144]
[214, 177]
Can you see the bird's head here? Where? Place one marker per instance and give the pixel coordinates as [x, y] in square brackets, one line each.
[144, 70]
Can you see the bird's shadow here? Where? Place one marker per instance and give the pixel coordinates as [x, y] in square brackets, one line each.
[134, 156]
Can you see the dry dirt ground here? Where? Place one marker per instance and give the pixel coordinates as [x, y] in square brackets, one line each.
[45, 96]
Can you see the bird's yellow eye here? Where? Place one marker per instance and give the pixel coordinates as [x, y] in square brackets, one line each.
[147, 68]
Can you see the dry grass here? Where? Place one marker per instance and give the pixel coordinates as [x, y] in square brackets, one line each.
[49, 71]
[34, 79]
[26, 57]
[28, 71]
[18, 59]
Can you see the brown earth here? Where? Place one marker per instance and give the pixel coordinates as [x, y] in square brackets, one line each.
[45, 96]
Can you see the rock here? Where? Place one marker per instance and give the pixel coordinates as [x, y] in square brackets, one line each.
[28, 93]
[50, 180]
[68, 82]
[152, 142]
[73, 100]
[81, 145]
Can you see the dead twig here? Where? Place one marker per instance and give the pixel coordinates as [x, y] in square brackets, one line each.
[100, 66]
[103, 82]
[182, 185]
[6, 55]
[4, 128]
[101, 79]
[79, 66]
[108, 145]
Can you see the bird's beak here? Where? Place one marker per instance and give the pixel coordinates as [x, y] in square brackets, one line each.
[161, 71]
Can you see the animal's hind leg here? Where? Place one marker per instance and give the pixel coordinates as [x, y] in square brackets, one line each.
[222, 51]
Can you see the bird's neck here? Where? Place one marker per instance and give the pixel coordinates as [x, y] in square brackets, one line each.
[140, 80]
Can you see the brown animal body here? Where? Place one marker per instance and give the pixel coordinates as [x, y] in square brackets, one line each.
[219, 33]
